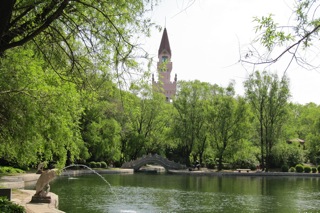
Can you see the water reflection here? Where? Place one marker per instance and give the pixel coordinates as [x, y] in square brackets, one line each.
[172, 193]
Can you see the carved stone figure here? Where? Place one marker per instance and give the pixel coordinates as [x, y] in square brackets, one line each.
[43, 187]
[40, 168]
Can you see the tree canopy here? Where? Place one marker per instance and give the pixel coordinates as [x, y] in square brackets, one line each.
[61, 98]
[298, 39]
[68, 33]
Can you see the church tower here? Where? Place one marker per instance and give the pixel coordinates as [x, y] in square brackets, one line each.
[164, 68]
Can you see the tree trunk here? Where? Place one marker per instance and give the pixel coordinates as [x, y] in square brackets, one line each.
[220, 166]
[6, 8]
[261, 137]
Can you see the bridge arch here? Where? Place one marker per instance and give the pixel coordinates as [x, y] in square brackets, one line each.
[155, 159]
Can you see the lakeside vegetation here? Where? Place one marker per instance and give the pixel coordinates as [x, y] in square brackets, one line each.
[68, 95]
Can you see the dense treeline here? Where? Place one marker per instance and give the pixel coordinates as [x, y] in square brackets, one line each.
[45, 118]
[63, 67]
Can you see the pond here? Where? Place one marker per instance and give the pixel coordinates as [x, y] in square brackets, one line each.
[182, 193]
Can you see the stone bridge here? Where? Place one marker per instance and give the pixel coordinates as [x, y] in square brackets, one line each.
[153, 159]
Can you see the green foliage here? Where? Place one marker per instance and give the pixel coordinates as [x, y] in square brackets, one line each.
[93, 164]
[59, 102]
[299, 168]
[210, 163]
[245, 156]
[145, 122]
[318, 168]
[292, 169]
[314, 170]
[294, 37]
[284, 168]
[40, 112]
[298, 39]
[268, 96]
[271, 35]
[307, 169]
[190, 122]
[47, 85]
[304, 125]
[227, 123]
[245, 163]
[105, 30]
[309, 122]
[98, 165]
[10, 170]
[9, 207]
[288, 154]
[103, 164]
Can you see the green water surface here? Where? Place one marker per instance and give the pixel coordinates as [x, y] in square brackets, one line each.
[178, 193]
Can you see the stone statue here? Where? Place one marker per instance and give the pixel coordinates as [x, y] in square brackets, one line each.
[40, 168]
[43, 187]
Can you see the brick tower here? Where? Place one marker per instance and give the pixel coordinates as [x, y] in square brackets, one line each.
[164, 68]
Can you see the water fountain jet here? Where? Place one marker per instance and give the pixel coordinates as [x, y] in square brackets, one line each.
[95, 172]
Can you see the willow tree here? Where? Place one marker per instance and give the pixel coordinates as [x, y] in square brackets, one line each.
[77, 37]
[268, 96]
[39, 113]
[49, 51]
[297, 38]
[100, 25]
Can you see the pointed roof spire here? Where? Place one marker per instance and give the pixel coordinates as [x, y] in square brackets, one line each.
[164, 45]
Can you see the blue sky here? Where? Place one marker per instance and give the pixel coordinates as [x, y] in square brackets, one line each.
[207, 38]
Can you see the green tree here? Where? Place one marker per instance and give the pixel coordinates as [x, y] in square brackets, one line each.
[308, 122]
[101, 26]
[146, 114]
[288, 154]
[190, 118]
[99, 127]
[39, 112]
[228, 124]
[52, 55]
[268, 98]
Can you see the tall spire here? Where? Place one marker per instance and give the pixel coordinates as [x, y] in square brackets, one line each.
[164, 68]
[164, 45]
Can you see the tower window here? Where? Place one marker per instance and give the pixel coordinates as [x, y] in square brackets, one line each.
[164, 58]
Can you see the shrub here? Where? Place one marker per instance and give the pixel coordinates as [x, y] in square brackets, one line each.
[8, 169]
[284, 168]
[299, 168]
[314, 169]
[98, 165]
[319, 169]
[284, 153]
[9, 207]
[210, 163]
[244, 163]
[103, 164]
[292, 169]
[307, 169]
[226, 166]
[92, 164]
